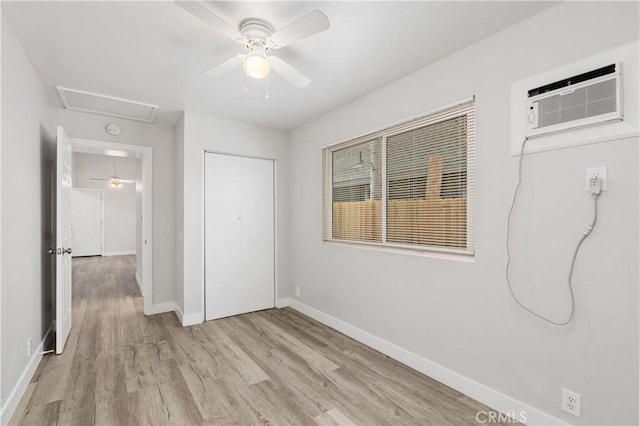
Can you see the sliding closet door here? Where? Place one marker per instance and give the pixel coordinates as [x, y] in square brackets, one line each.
[258, 233]
[223, 234]
[239, 235]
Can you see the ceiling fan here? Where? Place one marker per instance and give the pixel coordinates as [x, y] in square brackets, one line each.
[259, 38]
[115, 181]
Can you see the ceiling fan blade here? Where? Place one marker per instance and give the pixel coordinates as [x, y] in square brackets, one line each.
[204, 13]
[291, 74]
[126, 181]
[311, 23]
[99, 178]
[224, 66]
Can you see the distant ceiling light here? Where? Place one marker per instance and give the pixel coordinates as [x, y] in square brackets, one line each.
[115, 181]
[256, 66]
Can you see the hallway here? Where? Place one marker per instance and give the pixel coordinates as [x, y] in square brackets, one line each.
[270, 367]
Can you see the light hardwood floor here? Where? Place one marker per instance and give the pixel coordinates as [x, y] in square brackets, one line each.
[275, 367]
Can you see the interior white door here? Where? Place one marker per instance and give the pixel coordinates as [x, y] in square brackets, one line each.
[239, 235]
[86, 222]
[63, 239]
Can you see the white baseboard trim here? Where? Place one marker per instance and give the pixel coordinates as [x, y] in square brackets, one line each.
[161, 308]
[18, 390]
[189, 319]
[282, 302]
[119, 253]
[484, 394]
[179, 314]
[192, 319]
[139, 281]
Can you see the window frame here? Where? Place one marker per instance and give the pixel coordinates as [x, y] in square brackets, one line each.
[457, 109]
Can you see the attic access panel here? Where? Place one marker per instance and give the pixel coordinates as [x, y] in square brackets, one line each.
[79, 100]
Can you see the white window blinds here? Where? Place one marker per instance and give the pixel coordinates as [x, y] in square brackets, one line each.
[411, 185]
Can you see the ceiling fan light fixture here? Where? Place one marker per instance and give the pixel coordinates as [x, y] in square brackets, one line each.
[256, 66]
[115, 183]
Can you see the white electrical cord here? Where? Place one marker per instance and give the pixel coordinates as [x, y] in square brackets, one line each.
[595, 189]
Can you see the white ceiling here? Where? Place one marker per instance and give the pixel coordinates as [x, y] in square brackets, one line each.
[154, 51]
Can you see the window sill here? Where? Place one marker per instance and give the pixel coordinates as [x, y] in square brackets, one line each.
[407, 251]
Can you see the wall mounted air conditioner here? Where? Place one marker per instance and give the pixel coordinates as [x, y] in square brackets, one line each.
[580, 100]
[587, 101]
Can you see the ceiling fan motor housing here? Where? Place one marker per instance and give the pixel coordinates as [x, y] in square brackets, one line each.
[255, 33]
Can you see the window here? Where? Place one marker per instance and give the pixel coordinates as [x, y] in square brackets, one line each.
[409, 186]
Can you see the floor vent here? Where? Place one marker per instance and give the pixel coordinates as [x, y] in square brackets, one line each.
[78, 100]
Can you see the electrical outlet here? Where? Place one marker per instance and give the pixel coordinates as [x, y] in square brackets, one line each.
[599, 172]
[571, 402]
[297, 291]
[29, 347]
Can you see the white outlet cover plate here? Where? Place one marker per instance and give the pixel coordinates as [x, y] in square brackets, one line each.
[600, 171]
[571, 399]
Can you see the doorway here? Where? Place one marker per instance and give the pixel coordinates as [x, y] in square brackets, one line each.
[144, 217]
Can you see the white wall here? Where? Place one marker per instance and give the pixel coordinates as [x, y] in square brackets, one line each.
[119, 203]
[221, 135]
[460, 315]
[27, 161]
[161, 139]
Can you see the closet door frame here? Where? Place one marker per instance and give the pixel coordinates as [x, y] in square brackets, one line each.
[275, 224]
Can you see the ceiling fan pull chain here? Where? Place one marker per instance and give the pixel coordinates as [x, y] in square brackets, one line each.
[267, 83]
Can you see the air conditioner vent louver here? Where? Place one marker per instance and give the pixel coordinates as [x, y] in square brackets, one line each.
[609, 69]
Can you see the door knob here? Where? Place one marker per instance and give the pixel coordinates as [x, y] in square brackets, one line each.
[66, 251]
[51, 251]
